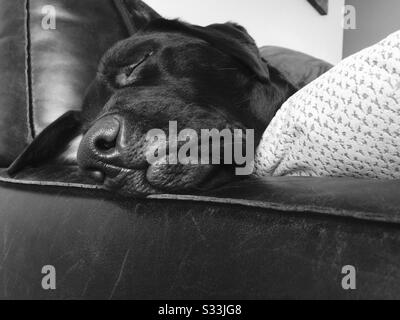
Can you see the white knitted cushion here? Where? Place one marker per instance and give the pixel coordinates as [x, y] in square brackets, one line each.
[345, 123]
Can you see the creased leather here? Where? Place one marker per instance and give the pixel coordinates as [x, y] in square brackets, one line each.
[14, 127]
[108, 248]
[46, 72]
[64, 60]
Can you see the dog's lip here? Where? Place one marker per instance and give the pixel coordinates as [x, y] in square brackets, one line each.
[116, 181]
[115, 176]
[112, 171]
[104, 173]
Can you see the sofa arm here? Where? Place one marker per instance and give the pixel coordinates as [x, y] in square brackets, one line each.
[290, 243]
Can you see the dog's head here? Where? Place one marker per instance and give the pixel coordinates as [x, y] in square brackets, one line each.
[172, 76]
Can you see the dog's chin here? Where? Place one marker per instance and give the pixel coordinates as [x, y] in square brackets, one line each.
[129, 182]
[159, 179]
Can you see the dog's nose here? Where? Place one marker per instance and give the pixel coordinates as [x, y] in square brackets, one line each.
[100, 147]
[104, 137]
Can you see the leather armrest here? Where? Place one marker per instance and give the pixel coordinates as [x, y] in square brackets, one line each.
[106, 247]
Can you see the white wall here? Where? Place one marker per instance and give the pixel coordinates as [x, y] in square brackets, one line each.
[375, 20]
[290, 23]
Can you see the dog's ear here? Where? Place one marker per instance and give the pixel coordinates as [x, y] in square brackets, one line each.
[230, 38]
[50, 143]
[234, 39]
[135, 14]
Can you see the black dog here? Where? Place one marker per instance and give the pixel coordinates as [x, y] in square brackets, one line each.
[201, 77]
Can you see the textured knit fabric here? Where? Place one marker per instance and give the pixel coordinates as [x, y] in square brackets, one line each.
[345, 123]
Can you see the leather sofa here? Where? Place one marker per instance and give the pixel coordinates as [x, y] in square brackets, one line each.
[257, 239]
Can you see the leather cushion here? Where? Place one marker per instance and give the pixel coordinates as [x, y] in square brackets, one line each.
[299, 68]
[45, 72]
[64, 60]
[14, 127]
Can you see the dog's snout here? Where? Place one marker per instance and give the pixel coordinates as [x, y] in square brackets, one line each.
[102, 139]
[101, 146]
[105, 138]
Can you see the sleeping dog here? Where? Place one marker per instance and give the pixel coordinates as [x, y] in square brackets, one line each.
[201, 77]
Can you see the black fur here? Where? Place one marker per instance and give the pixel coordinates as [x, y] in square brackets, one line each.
[201, 77]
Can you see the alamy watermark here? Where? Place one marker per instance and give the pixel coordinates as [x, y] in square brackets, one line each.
[49, 20]
[212, 146]
[349, 21]
[349, 280]
[49, 279]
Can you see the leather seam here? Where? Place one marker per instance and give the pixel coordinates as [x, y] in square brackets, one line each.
[313, 210]
[28, 68]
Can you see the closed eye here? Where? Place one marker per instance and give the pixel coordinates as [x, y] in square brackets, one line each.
[127, 75]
